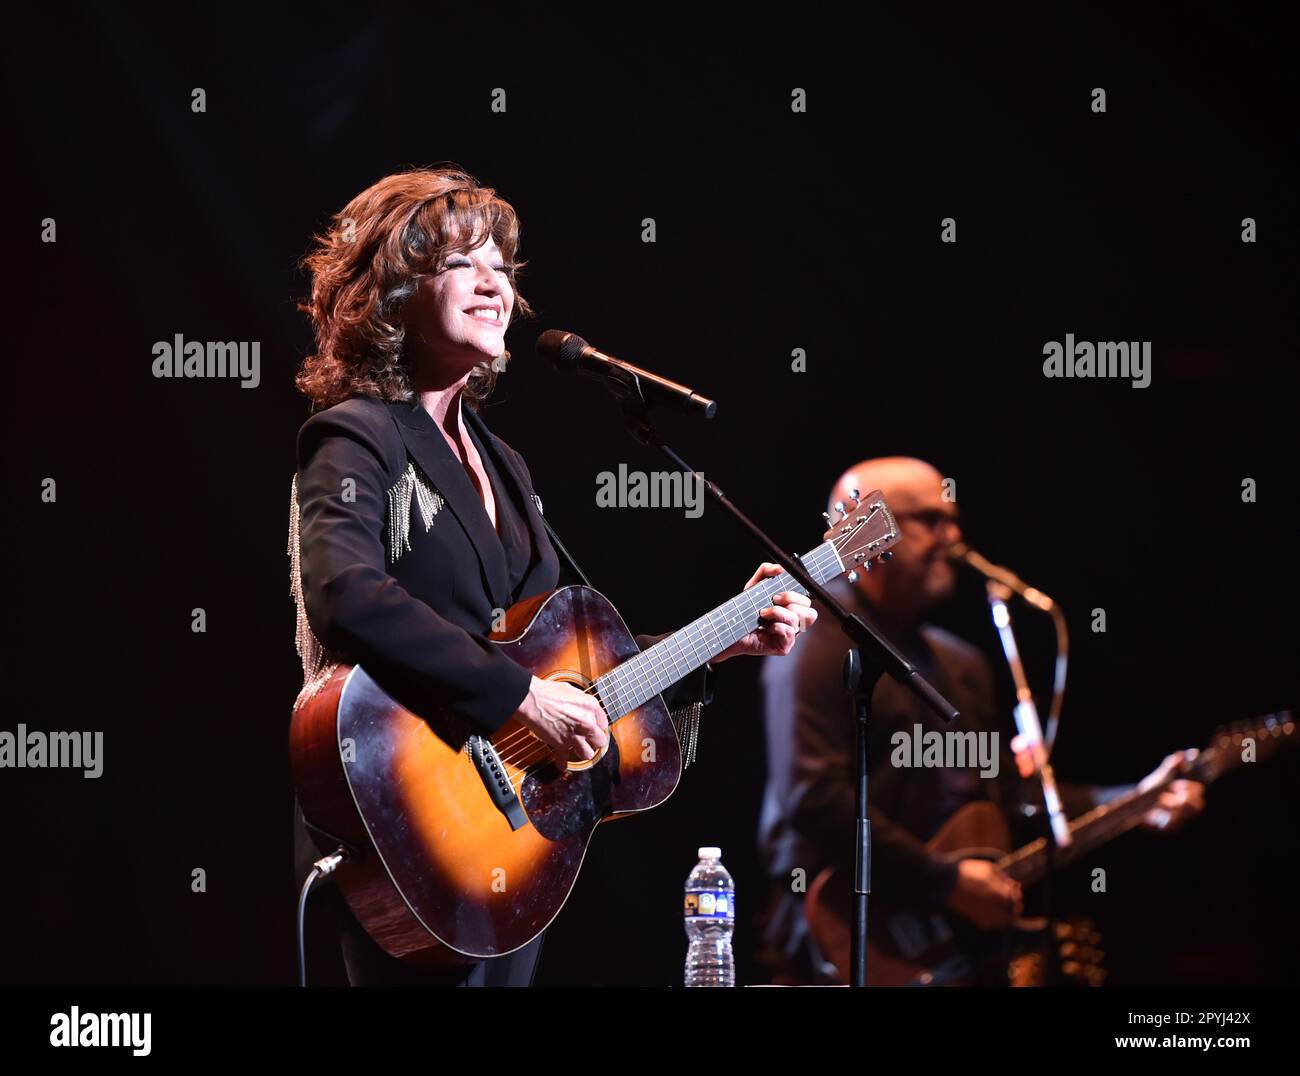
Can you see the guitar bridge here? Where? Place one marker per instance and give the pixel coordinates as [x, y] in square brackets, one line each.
[496, 780]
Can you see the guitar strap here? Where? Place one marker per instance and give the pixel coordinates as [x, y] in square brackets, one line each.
[564, 552]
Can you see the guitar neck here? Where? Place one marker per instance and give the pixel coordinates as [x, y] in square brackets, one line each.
[641, 678]
[1087, 832]
[1104, 823]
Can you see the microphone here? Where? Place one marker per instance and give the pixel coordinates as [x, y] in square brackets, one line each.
[572, 354]
[962, 552]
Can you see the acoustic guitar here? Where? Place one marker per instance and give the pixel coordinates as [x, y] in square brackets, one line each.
[463, 846]
[907, 948]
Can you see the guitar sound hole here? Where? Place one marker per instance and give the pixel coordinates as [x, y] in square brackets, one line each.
[582, 683]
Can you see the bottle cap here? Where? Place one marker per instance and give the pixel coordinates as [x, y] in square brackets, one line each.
[710, 852]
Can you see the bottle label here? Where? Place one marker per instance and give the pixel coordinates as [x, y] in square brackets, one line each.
[710, 904]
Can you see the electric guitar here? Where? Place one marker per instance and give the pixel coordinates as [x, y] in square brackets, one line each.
[463, 846]
[906, 948]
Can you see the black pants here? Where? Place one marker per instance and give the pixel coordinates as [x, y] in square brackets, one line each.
[340, 952]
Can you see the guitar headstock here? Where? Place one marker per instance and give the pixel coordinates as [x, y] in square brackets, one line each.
[863, 532]
[1228, 747]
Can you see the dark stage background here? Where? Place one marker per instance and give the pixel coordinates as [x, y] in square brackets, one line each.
[776, 230]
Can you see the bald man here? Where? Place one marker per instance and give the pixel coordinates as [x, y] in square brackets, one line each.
[808, 805]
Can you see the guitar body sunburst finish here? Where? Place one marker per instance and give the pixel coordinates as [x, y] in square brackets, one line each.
[442, 878]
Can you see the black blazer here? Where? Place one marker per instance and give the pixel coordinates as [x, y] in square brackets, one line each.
[417, 623]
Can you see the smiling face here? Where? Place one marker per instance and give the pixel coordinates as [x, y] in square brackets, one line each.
[457, 317]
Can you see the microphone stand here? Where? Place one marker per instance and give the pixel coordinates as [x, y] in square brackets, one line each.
[1031, 736]
[871, 656]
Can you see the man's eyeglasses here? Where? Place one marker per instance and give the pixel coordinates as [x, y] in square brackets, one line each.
[933, 519]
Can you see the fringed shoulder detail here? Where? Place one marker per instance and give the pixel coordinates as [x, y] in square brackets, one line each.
[318, 664]
[687, 722]
[413, 486]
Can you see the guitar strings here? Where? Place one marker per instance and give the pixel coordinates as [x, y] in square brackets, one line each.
[520, 747]
[527, 740]
[523, 736]
[523, 748]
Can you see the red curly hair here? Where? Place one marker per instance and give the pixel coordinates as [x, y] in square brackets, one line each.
[370, 261]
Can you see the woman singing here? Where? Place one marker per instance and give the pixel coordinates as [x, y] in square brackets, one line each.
[413, 526]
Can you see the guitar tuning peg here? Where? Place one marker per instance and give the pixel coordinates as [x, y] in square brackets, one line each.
[827, 516]
[839, 507]
[853, 577]
[888, 554]
[854, 494]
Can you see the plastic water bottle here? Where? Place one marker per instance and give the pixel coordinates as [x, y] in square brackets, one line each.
[710, 913]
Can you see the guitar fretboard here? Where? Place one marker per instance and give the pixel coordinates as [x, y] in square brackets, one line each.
[1226, 752]
[1029, 864]
[1104, 823]
[641, 678]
